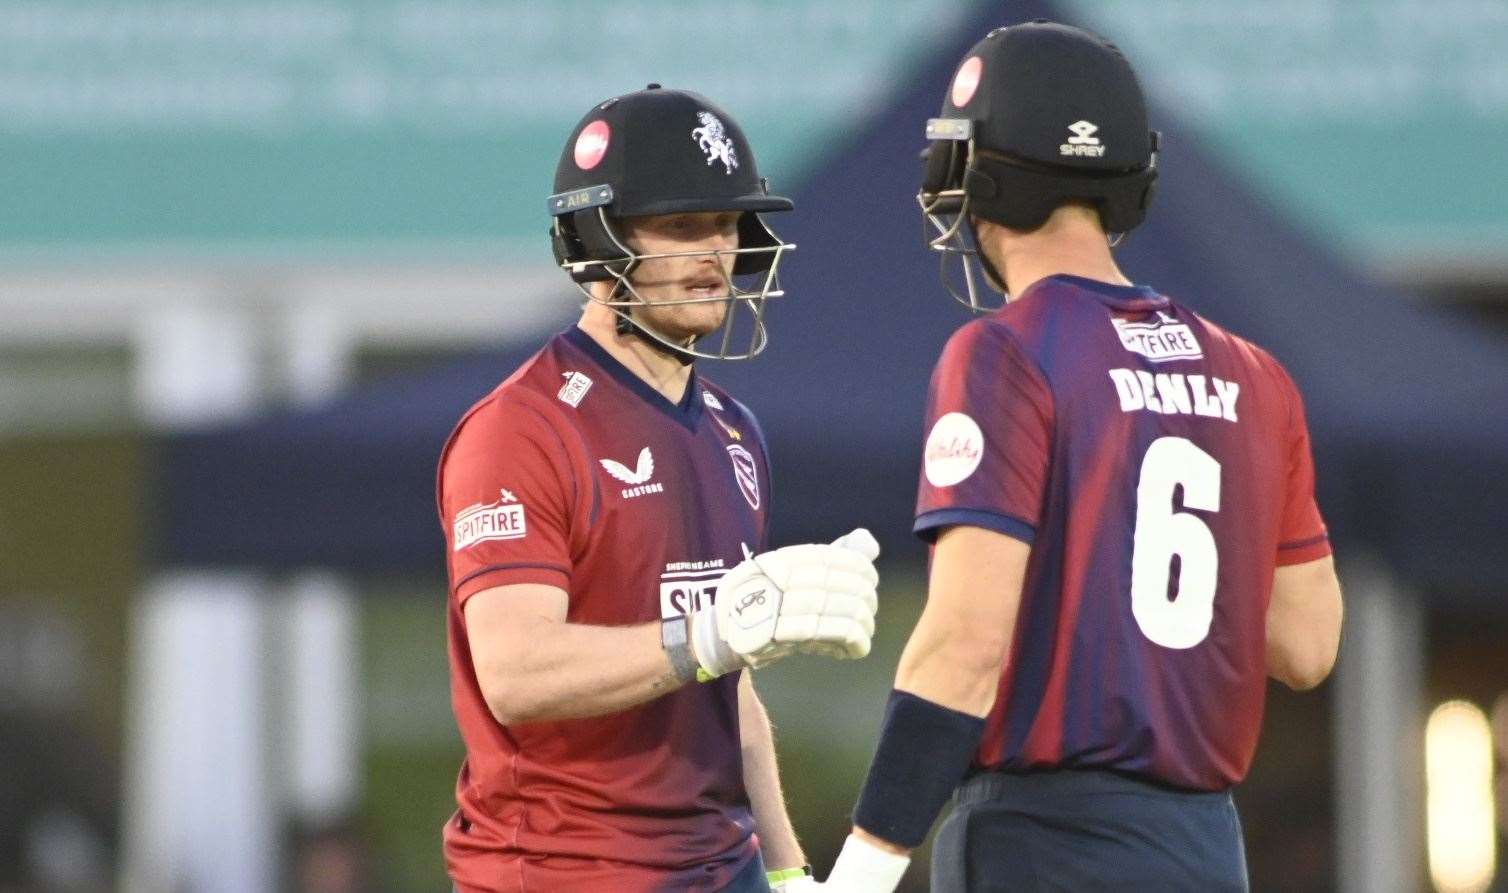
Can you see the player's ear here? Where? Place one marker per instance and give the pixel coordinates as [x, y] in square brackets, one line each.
[984, 230]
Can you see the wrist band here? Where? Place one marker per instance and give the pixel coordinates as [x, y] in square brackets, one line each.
[711, 652]
[677, 644]
[924, 751]
[782, 875]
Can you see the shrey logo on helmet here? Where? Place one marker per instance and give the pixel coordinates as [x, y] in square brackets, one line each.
[1083, 141]
[711, 139]
[998, 151]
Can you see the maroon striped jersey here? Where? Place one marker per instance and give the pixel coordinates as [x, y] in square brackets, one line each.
[1160, 468]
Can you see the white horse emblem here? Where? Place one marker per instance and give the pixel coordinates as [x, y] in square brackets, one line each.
[711, 138]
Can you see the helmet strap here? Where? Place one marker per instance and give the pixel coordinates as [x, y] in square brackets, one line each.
[627, 325]
[991, 274]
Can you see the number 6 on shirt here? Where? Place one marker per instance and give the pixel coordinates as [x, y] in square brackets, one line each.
[1161, 533]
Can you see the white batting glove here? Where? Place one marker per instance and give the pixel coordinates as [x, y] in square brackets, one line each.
[862, 541]
[863, 867]
[814, 598]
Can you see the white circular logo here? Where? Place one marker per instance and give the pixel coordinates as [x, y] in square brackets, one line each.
[591, 144]
[954, 449]
[966, 81]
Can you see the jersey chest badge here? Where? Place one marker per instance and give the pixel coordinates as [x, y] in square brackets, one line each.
[746, 472]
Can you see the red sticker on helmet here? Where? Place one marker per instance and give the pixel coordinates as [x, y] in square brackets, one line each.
[591, 144]
[967, 81]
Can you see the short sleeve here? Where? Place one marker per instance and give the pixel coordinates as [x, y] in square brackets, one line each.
[1303, 536]
[506, 494]
[989, 437]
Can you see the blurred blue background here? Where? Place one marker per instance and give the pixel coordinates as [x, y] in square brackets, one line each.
[256, 257]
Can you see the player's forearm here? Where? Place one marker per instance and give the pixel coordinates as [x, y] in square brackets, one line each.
[777, 838]
[944, 689]
[1304, 619]
[955, 654]
[954, 666]
[569, 671]
[945, 685]
[1302, 658]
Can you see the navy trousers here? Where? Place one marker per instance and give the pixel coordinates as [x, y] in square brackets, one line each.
[1078, 830]
[751, 879]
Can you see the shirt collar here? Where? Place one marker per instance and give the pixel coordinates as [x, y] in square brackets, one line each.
[1122, 297]
[688, 412]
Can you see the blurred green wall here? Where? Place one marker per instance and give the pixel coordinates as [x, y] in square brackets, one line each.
[70, 535]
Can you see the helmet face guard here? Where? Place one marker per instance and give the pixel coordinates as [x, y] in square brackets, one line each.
[590, 248]
[945, 212]
[658, 152]
[1038, 115]
[961, 181]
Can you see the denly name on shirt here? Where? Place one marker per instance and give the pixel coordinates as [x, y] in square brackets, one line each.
[1174, 393]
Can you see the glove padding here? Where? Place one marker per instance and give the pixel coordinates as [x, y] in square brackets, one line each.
[814, 598]
[862, 867]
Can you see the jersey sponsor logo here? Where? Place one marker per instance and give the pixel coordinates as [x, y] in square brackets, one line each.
[575, 388]
[953, 450]
[711, 400]
[1176, 393]
[639, 476]
[746, 472]
[688, 586]
[713, 139]
[501, 520]
[1160, 341]
[1083, 142]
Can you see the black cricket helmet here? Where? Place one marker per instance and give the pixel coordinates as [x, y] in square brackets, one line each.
[654, 152]
[1037, 115]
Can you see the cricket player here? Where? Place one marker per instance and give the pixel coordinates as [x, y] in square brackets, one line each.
[605, 511]
[1120, 498]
